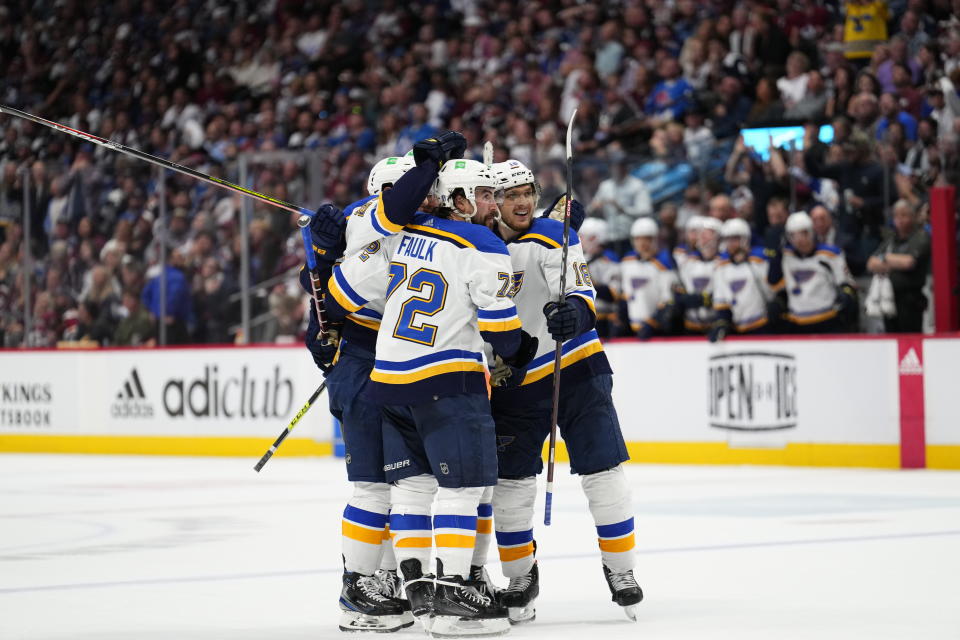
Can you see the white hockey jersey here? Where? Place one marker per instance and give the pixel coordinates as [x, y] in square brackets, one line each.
[813, 283]
[696, 276]
[536, 262]
[446, 285]
[744, 289]
[604, 270]
[646, 286]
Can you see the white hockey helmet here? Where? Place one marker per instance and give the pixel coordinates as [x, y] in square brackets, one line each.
[799, 221]
[736, 228]
[644, 227]
[514, 173]
[711, 224]
[387, 172]
[468, 175]
[595, 228]
[694, 223]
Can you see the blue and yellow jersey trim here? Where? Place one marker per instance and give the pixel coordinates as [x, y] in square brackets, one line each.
[574, 350]
[588, 297]
[366, 318]
[464, 234]
[498, 320]
[343, 293]
[810, 317]
[428, 366]
[548, 233]
[353, 206]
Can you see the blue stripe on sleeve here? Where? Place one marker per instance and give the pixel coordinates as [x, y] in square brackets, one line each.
[468, 523]
[347, 290]
[368, 518]
[409, 522]
[615, 530]
[496, 314]
[485, 510]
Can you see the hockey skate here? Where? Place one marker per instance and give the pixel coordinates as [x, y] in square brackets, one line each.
[391, 585]
[460, 609]
[365, 608]
[419, 590]
[520, 594]
[624, 589]
[479, 575]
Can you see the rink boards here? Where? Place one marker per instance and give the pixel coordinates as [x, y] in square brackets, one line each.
[864, 402]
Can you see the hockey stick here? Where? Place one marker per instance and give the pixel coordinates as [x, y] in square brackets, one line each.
[306, 214]
[293, 423]
[160, 162]
[558, 352]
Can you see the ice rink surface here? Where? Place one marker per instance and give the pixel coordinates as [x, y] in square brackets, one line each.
[144, 548]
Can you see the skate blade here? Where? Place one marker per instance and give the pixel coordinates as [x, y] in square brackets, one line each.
[522, 615]
[455, 627]
[354, 621]
[631, 611]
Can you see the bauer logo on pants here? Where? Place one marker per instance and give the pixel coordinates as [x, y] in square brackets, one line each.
[752, 391]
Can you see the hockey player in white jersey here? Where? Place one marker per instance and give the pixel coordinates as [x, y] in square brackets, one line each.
[604, 268]
[696, 279]
[747, 287]
[522, 407]
[688, 247]
[648, 280]
[370, 596]
[446, 293]
[821, 296]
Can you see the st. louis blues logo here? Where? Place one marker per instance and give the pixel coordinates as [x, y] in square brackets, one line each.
[516, 281]
[802, 276]
[504, 441]
[737, 285]
[699, 284]
[639, 283]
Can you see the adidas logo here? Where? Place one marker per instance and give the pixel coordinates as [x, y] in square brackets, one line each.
[132, 389]
[910, 364]
[131, 401]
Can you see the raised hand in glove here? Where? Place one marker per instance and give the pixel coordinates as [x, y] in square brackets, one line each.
[323, 352]
[448, 145]
[327, 229]
[556, 211]
[563, 319]
[509, 371]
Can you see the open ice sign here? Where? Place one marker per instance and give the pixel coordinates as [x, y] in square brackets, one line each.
[752, 391]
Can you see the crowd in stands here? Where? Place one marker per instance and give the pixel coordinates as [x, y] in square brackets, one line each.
[663, 90]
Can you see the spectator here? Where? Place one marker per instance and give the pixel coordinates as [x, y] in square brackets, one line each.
[732, 110]
[672, 96]
[865, 27]
[768, 107]
[620, 200]
[813, 104]
[826, 232]
[890, 112]
[905, 259]
[179, 310]
[137, 328]
[793, 86]
[721, 208]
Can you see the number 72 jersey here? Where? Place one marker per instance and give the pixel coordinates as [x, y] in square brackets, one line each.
[445, 287]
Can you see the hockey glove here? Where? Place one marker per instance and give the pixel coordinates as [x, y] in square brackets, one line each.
[556, 211]
[645, 332]
[448, 145]
[718, 330]
[509, 372]
[327, 229]
[323, 353]
[849, 306]
[563, 319]
[692, 300]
